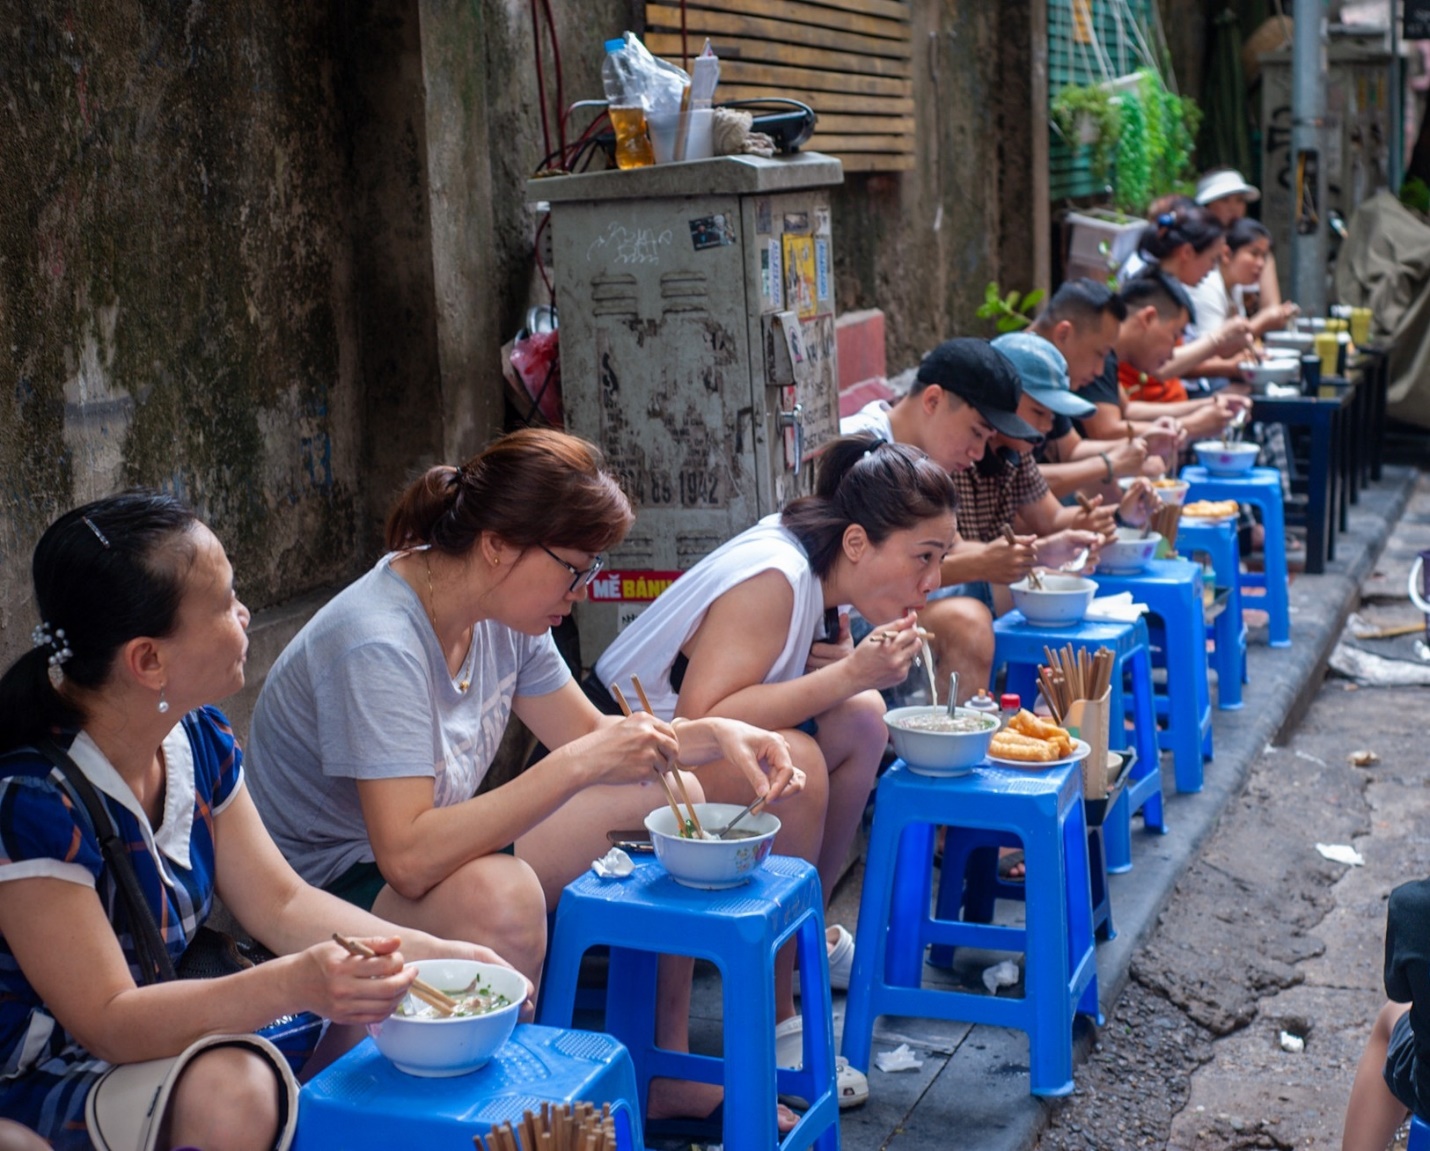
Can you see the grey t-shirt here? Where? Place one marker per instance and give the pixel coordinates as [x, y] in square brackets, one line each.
[363, 692]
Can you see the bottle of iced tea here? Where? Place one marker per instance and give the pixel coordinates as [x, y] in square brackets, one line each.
[627, 111]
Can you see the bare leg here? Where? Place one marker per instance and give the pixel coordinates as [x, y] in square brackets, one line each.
[803, 819]
[852, 737]
[13, 1137]
[495, 901]
[1373, 1114]
[225, 1100]
[963, 642]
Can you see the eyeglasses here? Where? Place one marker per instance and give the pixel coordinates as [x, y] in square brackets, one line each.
[578, 577]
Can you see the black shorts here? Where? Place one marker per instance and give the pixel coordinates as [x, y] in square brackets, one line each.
[1403, 1074]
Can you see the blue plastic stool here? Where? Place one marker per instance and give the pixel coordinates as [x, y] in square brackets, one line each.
[1172, 590]
[1044, 810]
[1019, 644]
[363, 1103]
[1419, 1135]
[1262, 487]
[739, 930]
[1218, 542]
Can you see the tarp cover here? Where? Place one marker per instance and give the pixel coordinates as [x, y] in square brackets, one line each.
[1384, 265]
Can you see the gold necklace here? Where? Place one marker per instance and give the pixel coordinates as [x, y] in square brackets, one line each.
[465, 682]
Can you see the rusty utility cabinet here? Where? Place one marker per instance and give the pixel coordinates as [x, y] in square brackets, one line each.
[696, 306]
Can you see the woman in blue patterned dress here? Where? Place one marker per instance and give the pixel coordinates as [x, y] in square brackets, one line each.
[141, 630]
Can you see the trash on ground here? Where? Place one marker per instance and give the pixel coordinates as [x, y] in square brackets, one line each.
[1292, 1043]
[901, 1058]
[1341, 853]
[1363, 758]
[615, 864]
[1003, 974]
[1377, 671]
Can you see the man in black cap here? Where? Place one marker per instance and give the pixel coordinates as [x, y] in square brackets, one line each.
[965, 398]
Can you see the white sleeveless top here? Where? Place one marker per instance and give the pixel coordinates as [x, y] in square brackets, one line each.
[648, 647]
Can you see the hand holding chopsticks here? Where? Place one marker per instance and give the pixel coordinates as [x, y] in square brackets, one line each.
[422, 990]
[680, 820]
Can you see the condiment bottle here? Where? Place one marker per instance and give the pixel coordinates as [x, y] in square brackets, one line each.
[627, 111]
[983, 702]
[1009, 704]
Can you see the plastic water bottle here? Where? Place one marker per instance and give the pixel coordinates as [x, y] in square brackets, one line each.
[626, 110]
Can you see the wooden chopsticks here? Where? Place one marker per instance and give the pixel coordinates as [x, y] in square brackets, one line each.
[424, 991]
[1034, 579]
[680, 820]
[877, 637]
[675, 768]
[559, 1127]
[1069, 676]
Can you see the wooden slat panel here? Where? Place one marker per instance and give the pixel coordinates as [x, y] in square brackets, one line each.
[860, 125]
[774, 19]
[840, 142]
[725, 29]
[825, 103]
[855, 162]
[746, 49]
[850, 60]
[773, 80]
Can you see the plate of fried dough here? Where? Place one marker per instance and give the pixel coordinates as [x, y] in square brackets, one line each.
[1030, 742]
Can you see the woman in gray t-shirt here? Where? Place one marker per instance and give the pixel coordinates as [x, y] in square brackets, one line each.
[379, 721]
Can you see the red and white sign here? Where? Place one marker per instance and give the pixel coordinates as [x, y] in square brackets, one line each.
[629, 586]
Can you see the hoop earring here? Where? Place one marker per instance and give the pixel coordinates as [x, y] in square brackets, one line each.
[163, 703]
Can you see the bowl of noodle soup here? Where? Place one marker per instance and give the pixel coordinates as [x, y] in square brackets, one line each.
[419, 1040]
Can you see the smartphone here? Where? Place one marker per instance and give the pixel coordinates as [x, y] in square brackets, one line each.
[635, 841]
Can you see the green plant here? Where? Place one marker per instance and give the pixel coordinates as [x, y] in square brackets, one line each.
[1094, 108]
[1011, 313]
[1414, 193]
[1155, 143]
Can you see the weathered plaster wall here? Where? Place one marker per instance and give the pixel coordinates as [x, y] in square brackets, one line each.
[175, 306]
[921, 245]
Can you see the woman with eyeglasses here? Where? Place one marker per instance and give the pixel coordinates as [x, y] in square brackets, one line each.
[379, 721]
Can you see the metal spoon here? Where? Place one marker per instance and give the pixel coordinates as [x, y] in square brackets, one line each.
[952, 693]
[725, 831]
[1078, 562]
[1234, 429]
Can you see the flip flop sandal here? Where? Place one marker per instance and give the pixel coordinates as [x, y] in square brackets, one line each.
[1006, 863]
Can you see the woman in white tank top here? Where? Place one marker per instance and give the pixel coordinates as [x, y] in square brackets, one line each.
[743, 635]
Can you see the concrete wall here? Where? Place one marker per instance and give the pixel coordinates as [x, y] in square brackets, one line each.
[265, 254]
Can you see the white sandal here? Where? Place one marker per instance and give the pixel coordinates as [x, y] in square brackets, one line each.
[851, 1084]
[841, 960]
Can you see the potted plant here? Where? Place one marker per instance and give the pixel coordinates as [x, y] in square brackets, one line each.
[1088, 116]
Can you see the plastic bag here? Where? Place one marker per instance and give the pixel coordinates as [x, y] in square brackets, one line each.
[659, 86]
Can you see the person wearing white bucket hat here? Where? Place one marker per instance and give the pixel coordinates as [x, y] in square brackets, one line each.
[1225, 194]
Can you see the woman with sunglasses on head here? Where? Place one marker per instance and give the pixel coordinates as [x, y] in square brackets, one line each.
[753, 631]
[379, 721]
[124, 806]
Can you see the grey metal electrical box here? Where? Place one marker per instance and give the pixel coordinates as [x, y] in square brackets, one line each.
[696, 306]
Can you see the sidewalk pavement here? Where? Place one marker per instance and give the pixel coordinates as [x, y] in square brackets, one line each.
[972, 1090]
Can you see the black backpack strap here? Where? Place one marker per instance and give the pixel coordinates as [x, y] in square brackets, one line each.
[153, 957]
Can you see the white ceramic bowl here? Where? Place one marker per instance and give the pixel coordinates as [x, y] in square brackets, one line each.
[1274, 370]
[1061, 601]
[1169, 491]
[939, 752]
[1299, 342]
[443, 1046]
[711, 863]
[1223, 459]
[1128, 553]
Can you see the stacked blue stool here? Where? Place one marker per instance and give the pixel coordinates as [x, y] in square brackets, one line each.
[1172, 590]
[362, 1102]
[1261, 487]
[1419, 1135]
[1019, 645]
[1217, 540]
[739, 930]
[1044, 811]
